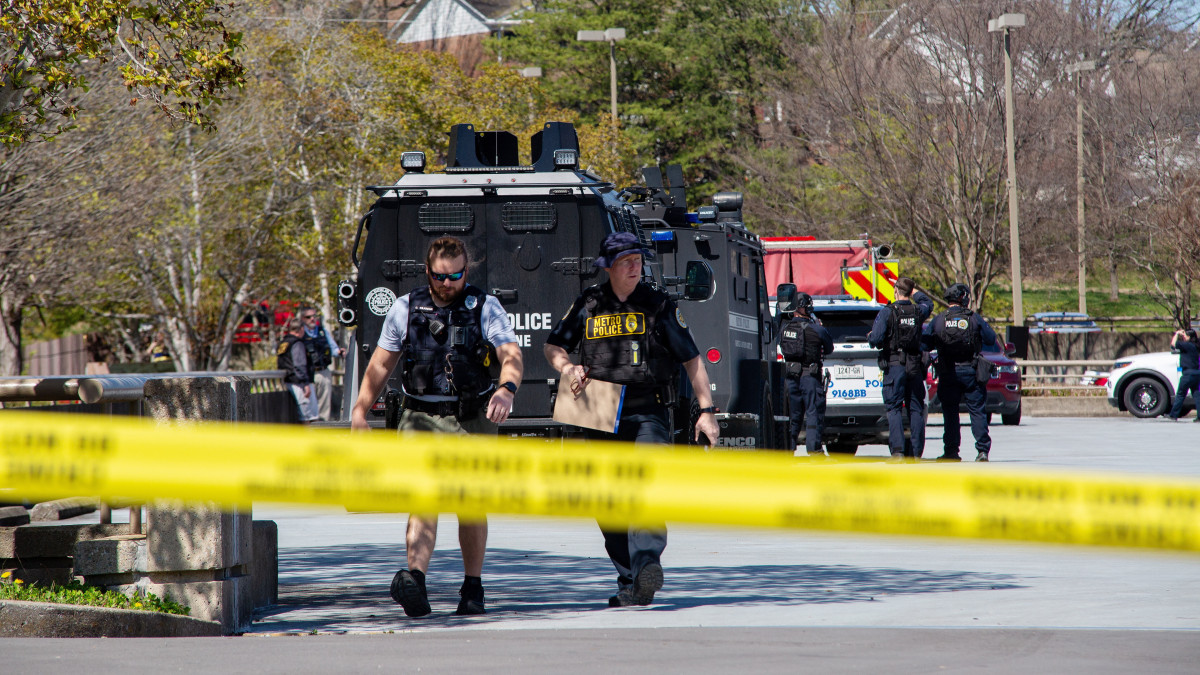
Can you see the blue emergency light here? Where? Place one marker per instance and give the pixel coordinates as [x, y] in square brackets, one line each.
[662, 235]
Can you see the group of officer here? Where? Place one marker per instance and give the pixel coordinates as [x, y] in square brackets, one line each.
[905, 341]
[305, 355]
[625, 331]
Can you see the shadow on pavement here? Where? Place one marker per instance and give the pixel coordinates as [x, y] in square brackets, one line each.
[346, 587]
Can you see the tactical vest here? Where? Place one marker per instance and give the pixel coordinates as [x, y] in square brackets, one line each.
[284, 362]
[320, 356]
[904, 332]
[445, 350]
[800, 344]
[621, 341]
[959, 341]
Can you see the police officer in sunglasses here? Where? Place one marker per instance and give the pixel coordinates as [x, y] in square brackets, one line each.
[443, 331]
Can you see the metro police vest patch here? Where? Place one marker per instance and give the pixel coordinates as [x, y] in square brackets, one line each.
[615, 325]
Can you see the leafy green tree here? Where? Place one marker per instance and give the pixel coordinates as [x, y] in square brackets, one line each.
[690, 75]
[178, 54]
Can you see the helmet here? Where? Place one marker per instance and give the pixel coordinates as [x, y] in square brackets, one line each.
[957, 294]
[804, 302]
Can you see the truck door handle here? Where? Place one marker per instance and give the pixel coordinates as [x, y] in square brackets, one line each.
[505, 296]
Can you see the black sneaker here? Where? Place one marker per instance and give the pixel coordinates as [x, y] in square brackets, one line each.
[410, 593]
[981, 457]
[472, 600]
[648, 582]
[948, 458]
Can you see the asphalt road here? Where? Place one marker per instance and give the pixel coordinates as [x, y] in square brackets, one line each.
[771, 601]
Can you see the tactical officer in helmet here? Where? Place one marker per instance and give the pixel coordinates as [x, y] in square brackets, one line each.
[629, 333]
[804, 344]
[897, 332]
[958, 335]
[443, 331]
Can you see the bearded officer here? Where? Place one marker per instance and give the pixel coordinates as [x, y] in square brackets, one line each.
[629, 333]
[804, 344]
[441, 329]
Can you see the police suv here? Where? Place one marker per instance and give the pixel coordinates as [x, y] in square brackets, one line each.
[533, 232]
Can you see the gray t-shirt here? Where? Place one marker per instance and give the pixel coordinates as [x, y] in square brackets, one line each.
[497, 329]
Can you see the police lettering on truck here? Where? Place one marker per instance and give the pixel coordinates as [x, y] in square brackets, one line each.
[530, 321]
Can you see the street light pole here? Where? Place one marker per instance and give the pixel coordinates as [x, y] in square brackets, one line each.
[1081, 260]
[611, 36]
[1003, 25]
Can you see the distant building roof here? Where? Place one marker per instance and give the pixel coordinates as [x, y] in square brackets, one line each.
[434, 20]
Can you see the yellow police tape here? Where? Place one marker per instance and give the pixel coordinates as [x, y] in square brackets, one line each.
[53, 455]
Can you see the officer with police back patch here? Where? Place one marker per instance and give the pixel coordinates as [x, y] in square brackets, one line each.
[958, 335]
[804, 344]
[442, 330]
[897, 332]
[629, 333]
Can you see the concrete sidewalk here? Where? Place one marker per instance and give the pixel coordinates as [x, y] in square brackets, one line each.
[552, 573]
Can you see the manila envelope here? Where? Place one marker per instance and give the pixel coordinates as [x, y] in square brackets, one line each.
[599, 407]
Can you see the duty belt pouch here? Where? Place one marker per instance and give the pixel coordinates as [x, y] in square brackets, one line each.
[983, 370]
[793, 368]
[468, 409]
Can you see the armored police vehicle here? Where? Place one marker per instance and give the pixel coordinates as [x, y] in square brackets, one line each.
[533, 231]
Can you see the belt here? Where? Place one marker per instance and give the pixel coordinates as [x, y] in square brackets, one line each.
[646, 398]
[441, 408]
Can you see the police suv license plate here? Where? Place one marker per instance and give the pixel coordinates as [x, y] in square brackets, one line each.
[847, 372]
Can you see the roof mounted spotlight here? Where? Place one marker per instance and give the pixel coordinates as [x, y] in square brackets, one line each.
[412, 162]
[566, 158]
[707, 214]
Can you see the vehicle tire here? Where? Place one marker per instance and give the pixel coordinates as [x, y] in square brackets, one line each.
[1146, 397]
[1013, 419]
[765, 438]
[989, 419]
[841, 448]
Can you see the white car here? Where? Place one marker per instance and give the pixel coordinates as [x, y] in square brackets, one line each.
[1145, 384]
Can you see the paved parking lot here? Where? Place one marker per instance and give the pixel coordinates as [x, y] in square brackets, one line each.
[771, 600]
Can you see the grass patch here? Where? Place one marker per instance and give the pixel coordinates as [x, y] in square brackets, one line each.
[75, 593]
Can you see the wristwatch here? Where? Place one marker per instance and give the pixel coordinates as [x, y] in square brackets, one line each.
[509, 386]
[709, 409]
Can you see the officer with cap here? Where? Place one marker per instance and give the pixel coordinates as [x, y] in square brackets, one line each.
[804, 344]
[629, 333]
[897, 333]
[958, 336]
[443, 330]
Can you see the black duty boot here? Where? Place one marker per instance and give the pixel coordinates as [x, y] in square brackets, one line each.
[408, 589]
[624, 596]
[472, 598]
[648, 582]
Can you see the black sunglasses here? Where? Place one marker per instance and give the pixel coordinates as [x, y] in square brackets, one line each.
[453, 276]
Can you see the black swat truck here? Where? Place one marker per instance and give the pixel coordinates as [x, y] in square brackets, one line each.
[533, 231]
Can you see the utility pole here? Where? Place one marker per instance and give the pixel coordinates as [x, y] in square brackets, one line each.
[1004, 24]
[1081, 259]
[611, 36]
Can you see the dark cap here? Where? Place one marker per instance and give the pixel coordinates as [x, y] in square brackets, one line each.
[620, 244]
